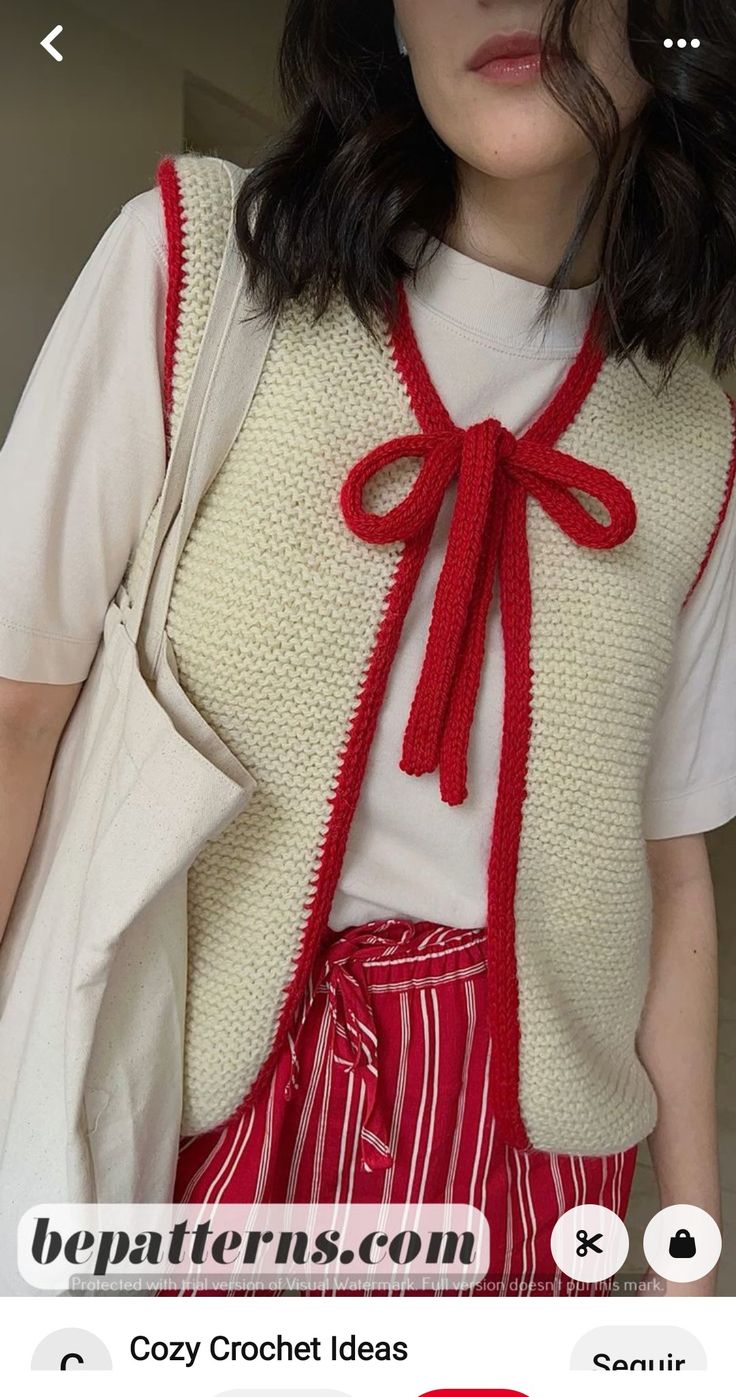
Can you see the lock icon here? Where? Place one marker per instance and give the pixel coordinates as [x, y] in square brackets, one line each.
[682, 1245]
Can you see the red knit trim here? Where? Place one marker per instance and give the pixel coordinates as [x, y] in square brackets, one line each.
[724, 503]
[168, 182]
[503, 984]
[503, 862]
[547, 427]
[503, 987]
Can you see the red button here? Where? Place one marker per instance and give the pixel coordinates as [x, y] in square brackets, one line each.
[473, 1392]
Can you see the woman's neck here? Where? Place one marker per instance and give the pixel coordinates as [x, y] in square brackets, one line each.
[523, 226]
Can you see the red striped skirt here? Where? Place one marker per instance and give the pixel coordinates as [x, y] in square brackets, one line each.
[381, 1096]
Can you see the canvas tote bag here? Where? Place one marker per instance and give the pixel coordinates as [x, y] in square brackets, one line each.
[93, 962]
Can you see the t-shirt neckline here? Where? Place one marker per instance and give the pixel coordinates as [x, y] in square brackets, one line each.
[494, 305]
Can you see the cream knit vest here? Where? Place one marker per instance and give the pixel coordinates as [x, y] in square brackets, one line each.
[274, 614]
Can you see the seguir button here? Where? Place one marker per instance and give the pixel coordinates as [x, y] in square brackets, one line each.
[638, 1349]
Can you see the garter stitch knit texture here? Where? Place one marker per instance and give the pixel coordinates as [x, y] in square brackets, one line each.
[284, 624]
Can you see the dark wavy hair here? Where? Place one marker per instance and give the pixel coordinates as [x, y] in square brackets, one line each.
[360, 164]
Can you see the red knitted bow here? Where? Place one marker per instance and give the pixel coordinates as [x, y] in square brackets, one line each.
[495, 472]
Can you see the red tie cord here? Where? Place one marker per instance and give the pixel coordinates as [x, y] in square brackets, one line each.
[495, 472]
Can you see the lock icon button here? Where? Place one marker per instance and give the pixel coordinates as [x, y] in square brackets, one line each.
[682, 1245]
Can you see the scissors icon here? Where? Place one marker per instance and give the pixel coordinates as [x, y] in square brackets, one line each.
[588, 1243]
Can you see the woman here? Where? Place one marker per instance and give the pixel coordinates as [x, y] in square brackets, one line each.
[469, 954]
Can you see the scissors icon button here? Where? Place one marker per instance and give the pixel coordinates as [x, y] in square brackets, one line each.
[588, 1243]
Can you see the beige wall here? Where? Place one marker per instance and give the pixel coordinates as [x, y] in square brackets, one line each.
[230, 43]
[78, 138]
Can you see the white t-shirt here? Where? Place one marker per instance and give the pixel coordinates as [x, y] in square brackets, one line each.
[82, 468]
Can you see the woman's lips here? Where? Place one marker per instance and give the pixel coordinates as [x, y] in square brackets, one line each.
[510, 58]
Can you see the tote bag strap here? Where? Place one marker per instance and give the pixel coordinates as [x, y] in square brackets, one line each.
[225, 376]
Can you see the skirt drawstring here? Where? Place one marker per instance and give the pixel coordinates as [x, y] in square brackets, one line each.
[355, 1046]
[353, 1043]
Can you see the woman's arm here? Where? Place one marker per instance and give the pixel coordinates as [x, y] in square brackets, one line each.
[32, 719]
[677, 1037]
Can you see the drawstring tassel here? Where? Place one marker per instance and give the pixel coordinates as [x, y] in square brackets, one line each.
[354, 1046]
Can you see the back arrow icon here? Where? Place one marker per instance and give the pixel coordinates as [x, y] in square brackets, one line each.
[48, 43]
